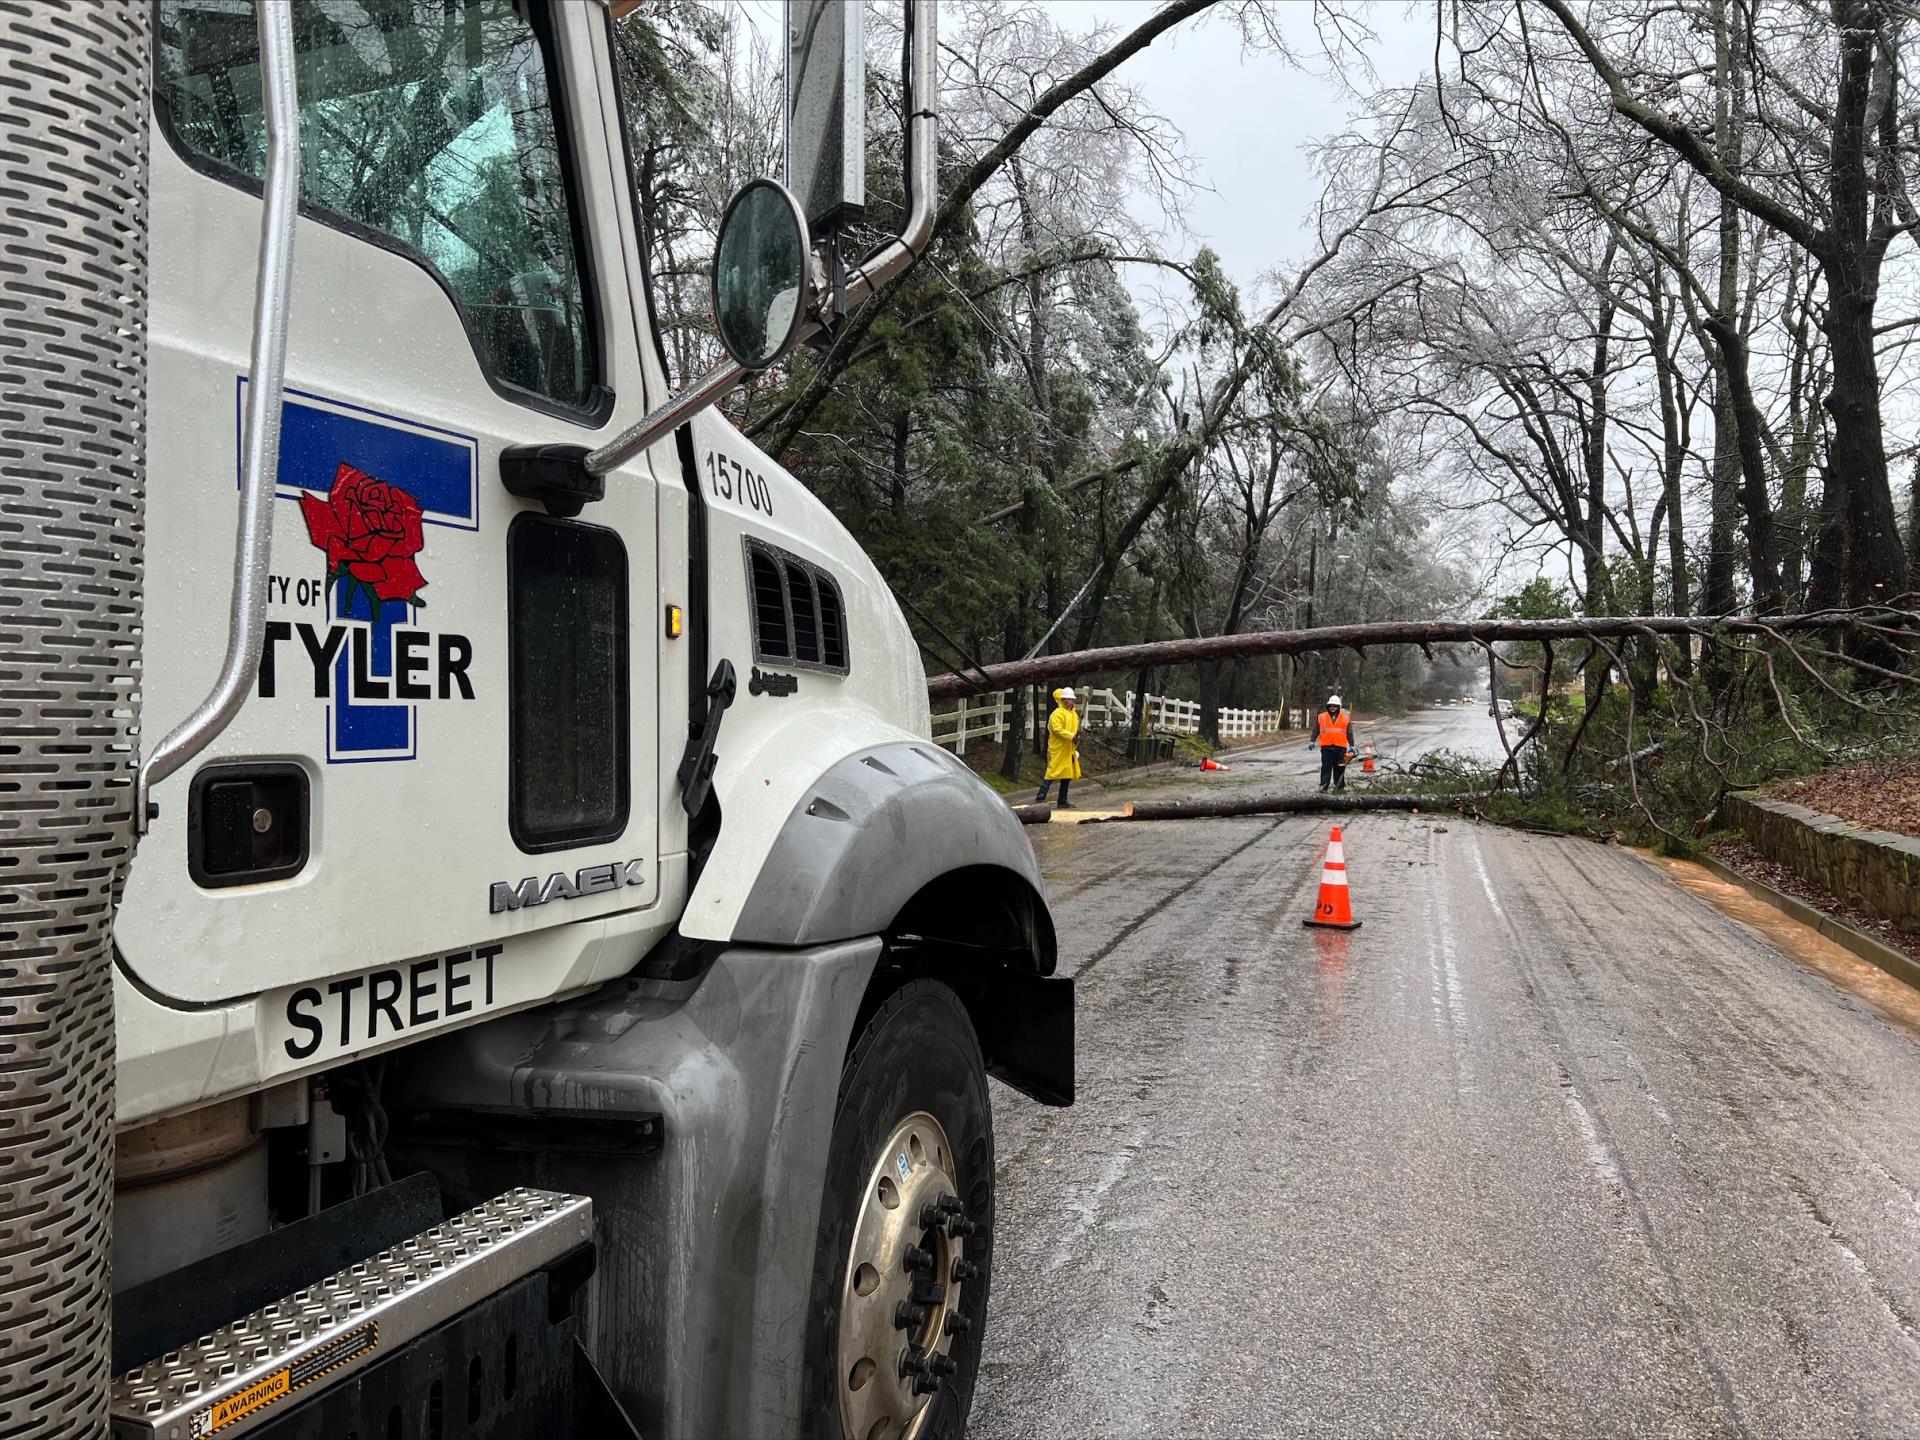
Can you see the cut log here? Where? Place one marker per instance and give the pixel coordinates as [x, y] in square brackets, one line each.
[1288, 805]
[1033, 814]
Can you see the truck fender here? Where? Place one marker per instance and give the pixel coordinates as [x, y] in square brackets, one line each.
[698, 1316]
[876, 830]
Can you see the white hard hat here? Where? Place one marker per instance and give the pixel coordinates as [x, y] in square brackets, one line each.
[1066, 693]
[1333, 699]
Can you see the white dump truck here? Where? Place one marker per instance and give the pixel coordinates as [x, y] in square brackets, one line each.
[487, 947]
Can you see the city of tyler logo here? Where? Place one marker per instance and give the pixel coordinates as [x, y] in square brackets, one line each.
[371, 660]
[371, 532]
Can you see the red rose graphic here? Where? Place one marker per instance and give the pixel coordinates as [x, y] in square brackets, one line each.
[371, 532]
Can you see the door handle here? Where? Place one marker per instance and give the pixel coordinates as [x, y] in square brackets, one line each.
[696, 766]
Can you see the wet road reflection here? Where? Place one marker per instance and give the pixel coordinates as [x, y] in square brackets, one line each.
[1550, 1146]
[1330, 966]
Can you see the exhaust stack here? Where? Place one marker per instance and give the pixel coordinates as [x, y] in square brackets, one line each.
[73, 363]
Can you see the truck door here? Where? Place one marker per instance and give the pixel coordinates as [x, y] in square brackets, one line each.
[446, 780]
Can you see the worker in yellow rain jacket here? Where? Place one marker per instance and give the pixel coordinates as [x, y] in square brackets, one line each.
[1063, 750]
[1334, 736]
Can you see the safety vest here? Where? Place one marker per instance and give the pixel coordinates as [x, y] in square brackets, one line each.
[1333, 728]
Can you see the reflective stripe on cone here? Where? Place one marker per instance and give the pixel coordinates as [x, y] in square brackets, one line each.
[1334, 910]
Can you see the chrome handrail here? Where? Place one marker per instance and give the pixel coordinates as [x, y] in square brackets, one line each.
[923, 123]
[272, 295]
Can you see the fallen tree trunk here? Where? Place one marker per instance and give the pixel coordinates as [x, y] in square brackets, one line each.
[1288, 805]
[1033, 814]
[1115, 659]
[1645, 752]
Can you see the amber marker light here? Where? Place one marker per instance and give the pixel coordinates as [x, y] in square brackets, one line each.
[675, 622]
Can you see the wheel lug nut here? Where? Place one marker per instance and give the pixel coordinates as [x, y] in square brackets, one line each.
[908, 1316]
[960, 1225]
[919, 1261]
[964, 1270]
[914, 1361]
[952, 1205]
[926, 1384]
[958, 1324]
[932, 1216]
[926, 1291]
[942, 1365]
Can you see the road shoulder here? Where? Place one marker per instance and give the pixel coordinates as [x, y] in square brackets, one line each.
[1811, 944]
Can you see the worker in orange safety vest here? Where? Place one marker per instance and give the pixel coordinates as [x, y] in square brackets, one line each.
[1335, 739]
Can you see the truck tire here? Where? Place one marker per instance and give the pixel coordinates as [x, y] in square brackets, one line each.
[905, 1248]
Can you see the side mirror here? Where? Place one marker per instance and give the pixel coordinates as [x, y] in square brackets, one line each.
[826, 84]
[766, 282]
[762, 274]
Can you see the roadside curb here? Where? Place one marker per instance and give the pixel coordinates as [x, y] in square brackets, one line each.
[1877, 870]
[1884, 957]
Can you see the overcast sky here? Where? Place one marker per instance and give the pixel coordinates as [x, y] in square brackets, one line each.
[1249, 119]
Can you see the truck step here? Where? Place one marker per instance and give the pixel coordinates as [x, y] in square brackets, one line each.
[235, 1378]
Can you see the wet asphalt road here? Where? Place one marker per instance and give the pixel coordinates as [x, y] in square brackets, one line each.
[1549, 1147]
[1466, 730]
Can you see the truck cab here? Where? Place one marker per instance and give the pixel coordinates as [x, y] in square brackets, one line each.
[574, 860]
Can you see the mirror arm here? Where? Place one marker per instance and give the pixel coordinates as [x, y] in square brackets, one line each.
[923, 158]
[668, 418]
[923, 123]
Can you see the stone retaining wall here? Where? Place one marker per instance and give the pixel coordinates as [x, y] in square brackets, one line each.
[1873, 869]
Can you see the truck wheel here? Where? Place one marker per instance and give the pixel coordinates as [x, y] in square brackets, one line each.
[905, 1248]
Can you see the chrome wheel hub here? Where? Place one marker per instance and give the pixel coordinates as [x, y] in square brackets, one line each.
[907, 1268]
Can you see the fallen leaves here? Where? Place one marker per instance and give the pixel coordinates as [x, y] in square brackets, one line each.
[1881, 795]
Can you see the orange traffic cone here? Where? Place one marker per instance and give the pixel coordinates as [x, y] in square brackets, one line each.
[1335, 910]
[1207, 762]
[1366, 766]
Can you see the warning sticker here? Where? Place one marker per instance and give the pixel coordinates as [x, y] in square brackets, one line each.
[263, 1392]
[238, 1407]
[335, 1353]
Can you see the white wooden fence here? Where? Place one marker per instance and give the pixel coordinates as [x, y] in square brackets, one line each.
[988, 716]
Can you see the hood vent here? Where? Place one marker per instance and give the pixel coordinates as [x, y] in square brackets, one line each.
[799, 617]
